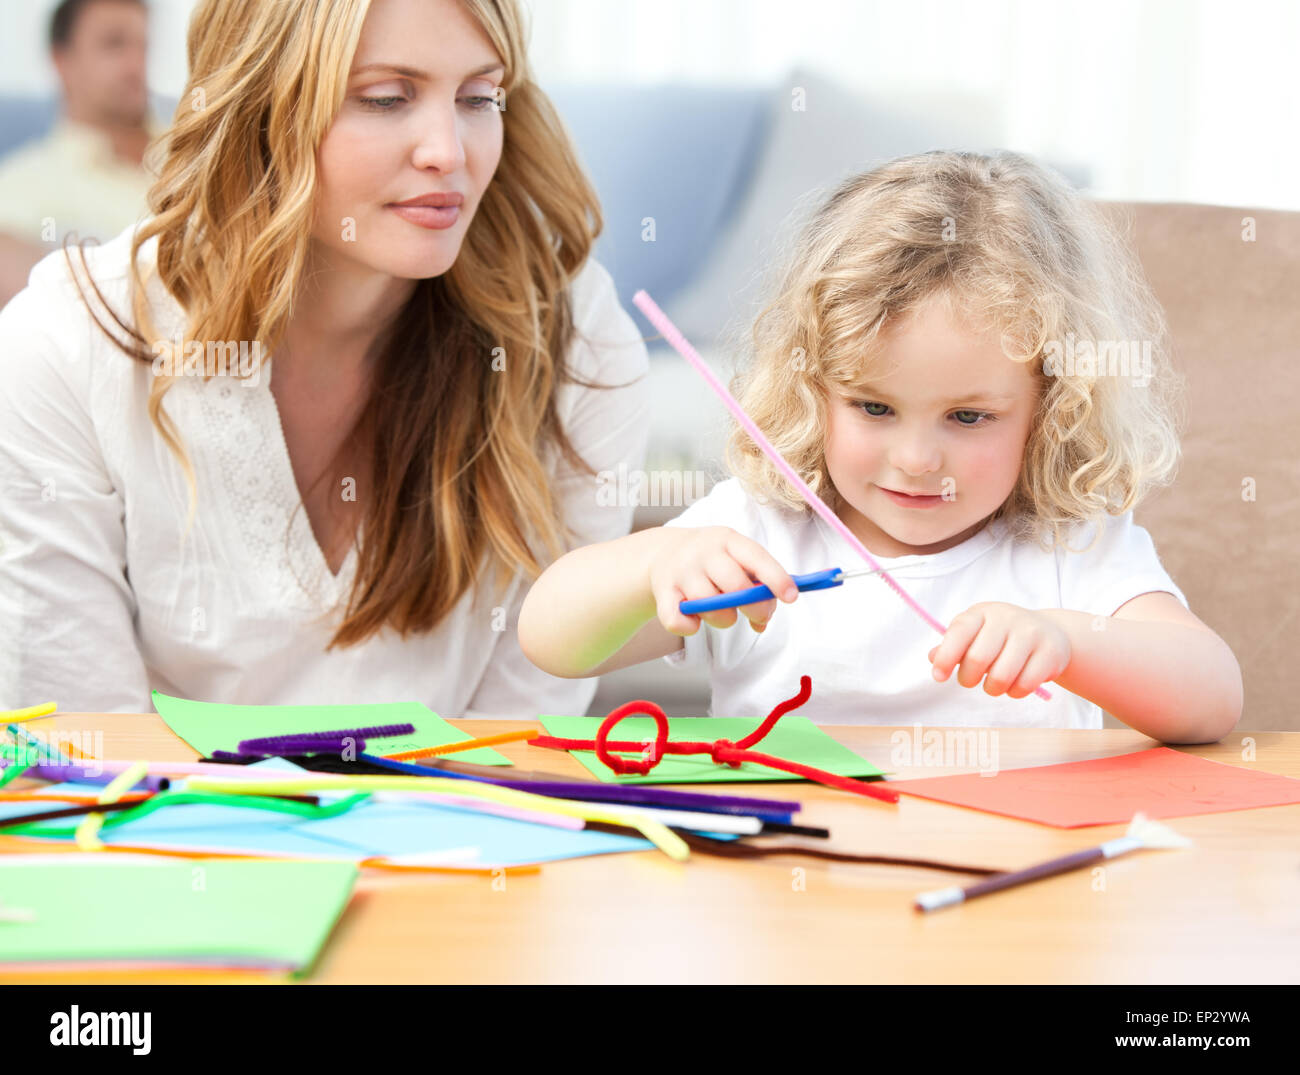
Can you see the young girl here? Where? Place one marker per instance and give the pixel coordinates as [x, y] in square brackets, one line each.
[942, 364]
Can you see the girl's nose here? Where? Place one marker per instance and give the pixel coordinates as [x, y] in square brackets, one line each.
[915, 456]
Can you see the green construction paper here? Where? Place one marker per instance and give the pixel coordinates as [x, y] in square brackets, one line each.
[205, 911]
[795, 738]
[209, 726]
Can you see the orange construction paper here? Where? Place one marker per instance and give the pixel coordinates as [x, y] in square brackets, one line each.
[1108, 791]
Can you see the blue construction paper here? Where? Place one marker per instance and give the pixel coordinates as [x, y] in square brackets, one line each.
[372, 828]
[403, 829]
[210, 828]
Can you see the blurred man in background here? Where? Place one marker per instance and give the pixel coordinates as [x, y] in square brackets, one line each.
[86, 174]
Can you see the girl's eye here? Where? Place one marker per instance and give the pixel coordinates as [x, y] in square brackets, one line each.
[978, 418]
[380, 104]
[479, 104]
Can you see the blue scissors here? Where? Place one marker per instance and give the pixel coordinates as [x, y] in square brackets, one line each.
[818, 580]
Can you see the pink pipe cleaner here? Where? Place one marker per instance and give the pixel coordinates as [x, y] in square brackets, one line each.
[682, 346]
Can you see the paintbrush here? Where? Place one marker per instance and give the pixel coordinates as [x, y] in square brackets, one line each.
[1143, 833]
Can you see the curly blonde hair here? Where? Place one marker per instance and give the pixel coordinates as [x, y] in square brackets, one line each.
[1019, 251]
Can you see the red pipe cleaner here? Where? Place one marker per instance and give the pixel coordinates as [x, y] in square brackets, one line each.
[723, 752]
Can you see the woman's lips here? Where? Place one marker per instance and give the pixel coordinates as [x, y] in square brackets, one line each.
[906, 501]
[428, 216]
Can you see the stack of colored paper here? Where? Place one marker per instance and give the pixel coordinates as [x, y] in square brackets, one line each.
[1159, 782]
[401, 829]
[209, 726]
[74, 911]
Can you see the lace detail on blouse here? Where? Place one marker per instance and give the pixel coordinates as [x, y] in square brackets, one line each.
[240, 440]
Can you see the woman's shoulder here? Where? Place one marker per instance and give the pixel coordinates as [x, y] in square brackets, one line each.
[48, 330]
[109, 263]
[68, 284]
[591, 289]
[607, 338]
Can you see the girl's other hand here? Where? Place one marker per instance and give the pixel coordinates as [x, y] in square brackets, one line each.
[709, 560]
[1016, 649]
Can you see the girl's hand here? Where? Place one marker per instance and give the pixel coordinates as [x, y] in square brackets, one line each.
[710, 560]
[1018, 649]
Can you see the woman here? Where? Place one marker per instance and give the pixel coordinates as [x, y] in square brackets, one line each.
[305, 435]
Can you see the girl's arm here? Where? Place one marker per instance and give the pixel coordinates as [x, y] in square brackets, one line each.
[614, 604]
[592, 611]
[1155, 666]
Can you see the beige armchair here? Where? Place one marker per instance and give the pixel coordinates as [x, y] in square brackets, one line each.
[1228, 529]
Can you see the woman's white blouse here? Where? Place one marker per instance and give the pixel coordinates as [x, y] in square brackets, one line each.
[103, 598]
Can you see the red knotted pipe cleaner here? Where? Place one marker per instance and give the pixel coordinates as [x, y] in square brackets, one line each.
[723, 752]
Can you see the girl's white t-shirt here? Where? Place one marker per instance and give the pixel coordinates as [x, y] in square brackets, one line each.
[866, 649]
[102, 598]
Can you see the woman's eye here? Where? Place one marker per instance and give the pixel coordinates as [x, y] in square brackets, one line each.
[388, 104]
[874, 414]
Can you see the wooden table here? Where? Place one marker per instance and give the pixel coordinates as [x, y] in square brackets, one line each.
[1226, 911]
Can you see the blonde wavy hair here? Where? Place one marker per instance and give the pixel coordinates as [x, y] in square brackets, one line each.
[1009, 242]
[460, 478]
